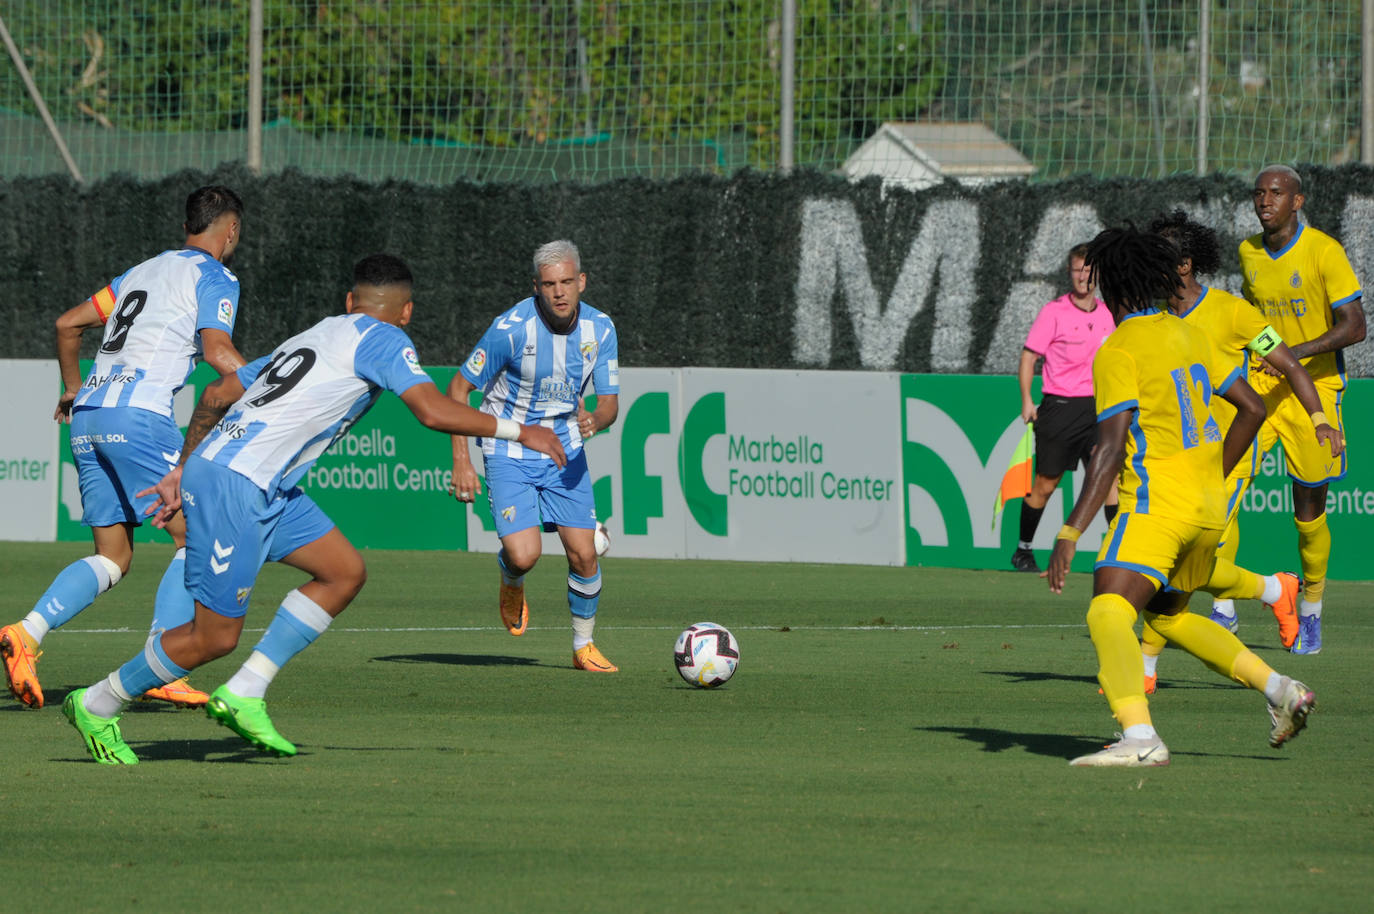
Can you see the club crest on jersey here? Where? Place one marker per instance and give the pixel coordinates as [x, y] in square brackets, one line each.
[589, 350]
[226, 312]
[477, 360]
[508, 513]
[1295, 280]
[412, 361]
[242, 594]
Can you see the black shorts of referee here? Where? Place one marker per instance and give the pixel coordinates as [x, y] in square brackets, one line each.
[1065, 432]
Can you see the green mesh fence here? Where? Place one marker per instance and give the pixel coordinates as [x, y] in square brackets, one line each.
[590, 90]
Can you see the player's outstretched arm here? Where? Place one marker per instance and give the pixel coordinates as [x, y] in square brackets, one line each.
[1282, 358]
[1249, 416]
[444, 414]
[1103, 469]
[70, 326]
[218, 349]
[214, 402]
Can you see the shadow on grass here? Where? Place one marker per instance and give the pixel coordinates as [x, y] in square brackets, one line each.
[1019, 676]
[462, 659]
[223, 749]
[1053, 745]
[1057, 745]
[230, 749]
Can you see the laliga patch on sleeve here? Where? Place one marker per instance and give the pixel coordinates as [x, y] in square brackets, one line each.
[412, 361]
[613, 370]
[226, 312]
[476, 361]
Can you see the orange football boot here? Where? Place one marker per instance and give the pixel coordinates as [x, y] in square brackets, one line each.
[21, 653]
[179, 693]
[515, 612]
[1285, 610]
[593, 661]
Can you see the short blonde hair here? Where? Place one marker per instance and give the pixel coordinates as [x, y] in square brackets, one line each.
[555, 252]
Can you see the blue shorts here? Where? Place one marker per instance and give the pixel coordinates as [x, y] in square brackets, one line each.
[120, 451]
[232, 528]
[528, 493]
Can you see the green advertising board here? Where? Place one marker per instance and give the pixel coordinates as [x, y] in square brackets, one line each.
[384, 483]
[958, 436]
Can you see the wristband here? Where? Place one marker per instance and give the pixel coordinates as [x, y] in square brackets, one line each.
[1068, 533]
[1319, 418]
[507, 429]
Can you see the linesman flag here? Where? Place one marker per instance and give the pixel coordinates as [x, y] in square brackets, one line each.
[1017, 481]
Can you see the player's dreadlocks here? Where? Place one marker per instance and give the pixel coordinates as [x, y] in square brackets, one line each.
[1134, 270]
[1194, 241]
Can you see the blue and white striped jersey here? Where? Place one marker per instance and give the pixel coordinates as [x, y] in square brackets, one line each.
[536, 377]
[152, 335]
[307, 394]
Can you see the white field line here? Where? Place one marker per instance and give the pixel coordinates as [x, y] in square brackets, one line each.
[601, 626]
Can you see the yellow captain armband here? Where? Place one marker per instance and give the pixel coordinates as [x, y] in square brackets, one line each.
[1068, 533]
[1267, 341]
[104, 302]
[1319, 418]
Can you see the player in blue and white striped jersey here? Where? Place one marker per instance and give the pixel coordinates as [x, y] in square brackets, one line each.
[253, 436]
[535, 364]
[160, 319]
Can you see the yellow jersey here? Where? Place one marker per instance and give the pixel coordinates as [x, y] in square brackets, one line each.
[1235, 326]
[1298, 289]
[1169, 373]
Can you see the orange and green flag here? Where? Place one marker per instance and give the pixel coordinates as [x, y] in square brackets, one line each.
[1016, 483]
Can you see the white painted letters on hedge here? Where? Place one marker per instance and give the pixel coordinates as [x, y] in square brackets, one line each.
[833, 258]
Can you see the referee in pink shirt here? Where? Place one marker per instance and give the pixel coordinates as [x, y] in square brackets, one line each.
[1066, 334]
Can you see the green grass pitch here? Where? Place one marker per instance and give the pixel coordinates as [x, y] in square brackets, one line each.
[895, 739]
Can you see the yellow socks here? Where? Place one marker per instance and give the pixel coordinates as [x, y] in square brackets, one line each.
[1314, 547]
[1231, 582]
[1253, 672]
[1212, 644]
[1111, 623]
[1151, 642]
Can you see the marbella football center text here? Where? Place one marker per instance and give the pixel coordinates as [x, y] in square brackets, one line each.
[797, 472]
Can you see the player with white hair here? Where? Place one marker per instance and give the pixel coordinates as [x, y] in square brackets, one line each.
[536, 363]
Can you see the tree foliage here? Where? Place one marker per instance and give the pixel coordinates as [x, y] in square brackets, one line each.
[502, 75]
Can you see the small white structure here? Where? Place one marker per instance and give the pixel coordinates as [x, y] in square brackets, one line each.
[921, 154]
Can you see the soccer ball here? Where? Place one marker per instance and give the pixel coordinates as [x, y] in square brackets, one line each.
[706, 655]
[601, 538]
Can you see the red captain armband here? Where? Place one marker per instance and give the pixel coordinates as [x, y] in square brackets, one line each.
[104, 302]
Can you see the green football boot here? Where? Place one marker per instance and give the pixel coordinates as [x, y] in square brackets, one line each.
[248, 718]
[102, 736]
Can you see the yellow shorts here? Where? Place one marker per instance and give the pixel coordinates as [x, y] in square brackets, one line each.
[1235, 488]
[1309, 461]
[1170, 552]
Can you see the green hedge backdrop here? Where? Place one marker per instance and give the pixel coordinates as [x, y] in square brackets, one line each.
[757, 270]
